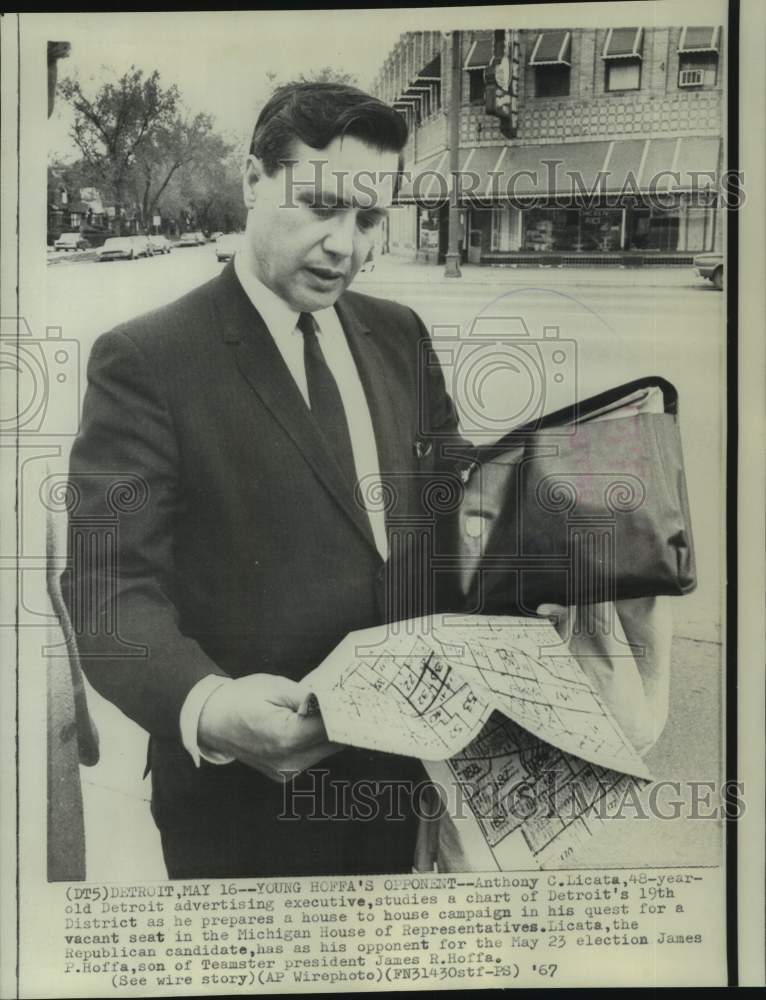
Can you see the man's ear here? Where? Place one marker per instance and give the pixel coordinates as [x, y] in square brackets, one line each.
[251, 175]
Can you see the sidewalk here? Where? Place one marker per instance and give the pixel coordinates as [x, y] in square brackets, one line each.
[390, 268]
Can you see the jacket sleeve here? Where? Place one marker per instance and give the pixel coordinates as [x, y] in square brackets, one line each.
[124, 497]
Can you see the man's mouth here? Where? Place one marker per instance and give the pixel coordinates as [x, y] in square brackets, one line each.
[327, 275]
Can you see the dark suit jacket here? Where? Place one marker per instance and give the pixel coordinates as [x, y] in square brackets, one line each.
[227, 543]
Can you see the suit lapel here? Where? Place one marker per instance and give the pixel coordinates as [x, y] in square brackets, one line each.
[387, 401]
[260, 362]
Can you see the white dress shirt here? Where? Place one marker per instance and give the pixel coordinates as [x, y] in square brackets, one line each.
[281, 321]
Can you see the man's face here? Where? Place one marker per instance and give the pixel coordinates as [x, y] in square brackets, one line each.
[311, 225]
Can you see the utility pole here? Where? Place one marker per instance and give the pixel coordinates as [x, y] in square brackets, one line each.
[452, 260]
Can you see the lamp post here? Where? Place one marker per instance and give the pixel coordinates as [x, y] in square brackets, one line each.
[452, 259]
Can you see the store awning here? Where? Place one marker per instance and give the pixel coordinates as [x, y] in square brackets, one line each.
[479, 54]
[551, 49]
[534, 171]
[414, 95]
[576, 169]
[699, 40]
[430, 180]
[623, 43]
[423, 178]
[697, 162]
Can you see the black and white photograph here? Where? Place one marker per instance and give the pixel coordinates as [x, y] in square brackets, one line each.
[369, 393]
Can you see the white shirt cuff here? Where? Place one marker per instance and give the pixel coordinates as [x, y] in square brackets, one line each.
[189, 721]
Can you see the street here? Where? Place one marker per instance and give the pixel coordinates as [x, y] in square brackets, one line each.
[623, 324]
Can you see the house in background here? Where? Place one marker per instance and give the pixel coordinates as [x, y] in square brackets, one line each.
[73, 209]
[636, 114]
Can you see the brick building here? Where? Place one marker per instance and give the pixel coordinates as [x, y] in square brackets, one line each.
[577, 145]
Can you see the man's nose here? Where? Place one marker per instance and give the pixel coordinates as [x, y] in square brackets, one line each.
[340, 239]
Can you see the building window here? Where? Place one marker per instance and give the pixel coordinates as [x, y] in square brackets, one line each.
[551, 81]
[478, 57]
[476, 86]
[428, 230]
[622, 59]
[623, 75]
[654, 229]
[600, 230]
[698, 57]
[548, 229]
[698, 70]
[551, 62]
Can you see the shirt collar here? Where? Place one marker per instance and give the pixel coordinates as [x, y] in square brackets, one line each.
[274, 311]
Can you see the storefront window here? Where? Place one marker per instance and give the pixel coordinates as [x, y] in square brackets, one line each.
[547, 229]
[654, 229]
[572, 230]
[428, 232]
[601, 229]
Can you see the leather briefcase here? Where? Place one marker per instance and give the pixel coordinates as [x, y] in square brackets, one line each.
[585, 505]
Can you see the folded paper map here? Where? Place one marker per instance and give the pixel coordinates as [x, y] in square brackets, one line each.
[427, 687]
[528, 758]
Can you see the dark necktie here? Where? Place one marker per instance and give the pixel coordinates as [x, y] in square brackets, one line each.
[325, 400]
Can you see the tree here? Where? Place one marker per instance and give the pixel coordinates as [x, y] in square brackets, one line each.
[182, 143]
[211, 194]
[117, 123]
[328, 74]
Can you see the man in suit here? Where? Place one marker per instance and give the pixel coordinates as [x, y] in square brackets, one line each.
[237, 435]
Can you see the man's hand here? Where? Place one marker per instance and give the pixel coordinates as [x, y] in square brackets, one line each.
[255, 718]
[559, 617]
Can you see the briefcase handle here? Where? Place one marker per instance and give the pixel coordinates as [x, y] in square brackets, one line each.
[576, 411]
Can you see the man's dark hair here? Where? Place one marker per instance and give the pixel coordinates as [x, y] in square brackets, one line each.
[317, 113]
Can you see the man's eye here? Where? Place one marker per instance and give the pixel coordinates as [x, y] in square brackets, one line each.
[366, 222]
[323, 212]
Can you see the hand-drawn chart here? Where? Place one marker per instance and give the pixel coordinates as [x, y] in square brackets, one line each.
[427, 692]
[514, 782]
[531, 759]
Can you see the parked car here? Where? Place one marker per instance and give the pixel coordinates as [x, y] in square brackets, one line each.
[195, 239]
[226, 245]
[117, 248]
[71, 241]
[710, 266]
[160, 244]
[142, 245]
[214, 236]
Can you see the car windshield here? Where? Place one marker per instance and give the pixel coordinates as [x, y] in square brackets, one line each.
[69, 237]
[116, 243]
